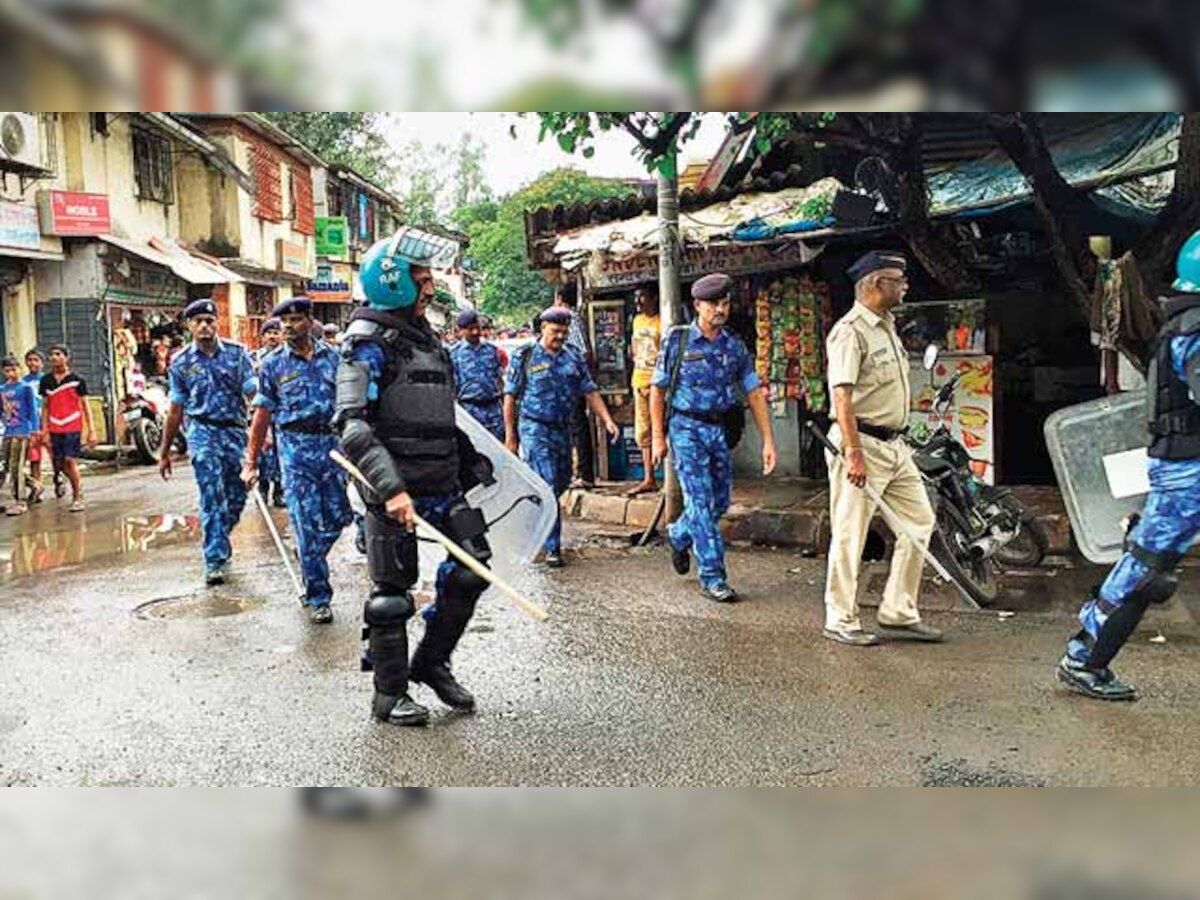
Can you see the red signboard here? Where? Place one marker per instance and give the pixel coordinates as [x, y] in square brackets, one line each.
[73, 214]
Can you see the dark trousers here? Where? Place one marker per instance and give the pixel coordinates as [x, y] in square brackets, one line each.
[581, 440]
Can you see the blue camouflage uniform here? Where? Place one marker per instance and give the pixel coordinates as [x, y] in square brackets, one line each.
[477, 381]
[556, 382]
[709, 376]
[212, 391]
[268, 456]
[1169, 525]
[299, 394]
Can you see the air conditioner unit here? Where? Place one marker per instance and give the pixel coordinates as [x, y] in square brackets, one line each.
[20, 139]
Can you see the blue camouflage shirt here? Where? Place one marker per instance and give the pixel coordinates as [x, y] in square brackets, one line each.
[214, 387]
[710, 371]
[477, 372]
[295, 389]
[556, 382]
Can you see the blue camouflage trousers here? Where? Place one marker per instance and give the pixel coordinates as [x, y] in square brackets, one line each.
[490, 416]
[705, 470]
[217, 463]
[1170, 523]
[268, 463]
[315, 491]
[547, 450]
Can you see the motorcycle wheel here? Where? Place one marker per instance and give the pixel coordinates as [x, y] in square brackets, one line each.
[949, 545]
[147, 436]
[1027, 549]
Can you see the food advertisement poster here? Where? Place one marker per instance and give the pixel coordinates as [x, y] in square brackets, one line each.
[970, 417]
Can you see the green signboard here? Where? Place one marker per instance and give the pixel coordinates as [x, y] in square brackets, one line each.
[331, 236]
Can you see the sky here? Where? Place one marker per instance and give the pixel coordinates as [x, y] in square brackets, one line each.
[510, 164]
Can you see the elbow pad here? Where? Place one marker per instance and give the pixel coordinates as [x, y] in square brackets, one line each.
[352, 395]
[372, 458]
[1192, 371]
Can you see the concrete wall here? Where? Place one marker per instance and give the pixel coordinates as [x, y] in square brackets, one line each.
[747, 458]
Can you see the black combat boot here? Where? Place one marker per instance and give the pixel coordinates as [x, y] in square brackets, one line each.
[431, 662]
[387, 617]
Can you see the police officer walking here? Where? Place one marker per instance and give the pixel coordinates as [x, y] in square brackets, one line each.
[869, 377]
[1170, 520]
[270, 482]
[545, 382]
[395, 411]
[296, 391]
[210, 380]
[695, 387]
[479, 374]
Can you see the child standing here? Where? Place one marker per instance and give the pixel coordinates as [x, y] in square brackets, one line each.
[18, 410]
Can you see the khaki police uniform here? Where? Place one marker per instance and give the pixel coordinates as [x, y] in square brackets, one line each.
[864, 351]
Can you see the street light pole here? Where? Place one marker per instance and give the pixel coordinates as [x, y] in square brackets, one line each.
[670, 304]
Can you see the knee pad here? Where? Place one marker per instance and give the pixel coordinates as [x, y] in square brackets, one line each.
[388, 609]
[462, 583]
[1160, 583]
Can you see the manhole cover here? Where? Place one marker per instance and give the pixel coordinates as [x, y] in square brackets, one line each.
[196, 606]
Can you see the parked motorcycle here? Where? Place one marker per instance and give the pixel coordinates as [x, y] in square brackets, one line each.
[145, 412]
[978, 525]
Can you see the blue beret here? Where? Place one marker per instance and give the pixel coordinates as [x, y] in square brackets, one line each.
[873, 262]
[466, 318]
[712, 287]
[271, 324]
[203, 307]
[557, 315]
[298, 304]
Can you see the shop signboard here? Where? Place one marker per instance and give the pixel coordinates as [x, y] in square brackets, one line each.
[332, 284]
[289, 256]
[608, 342]
[19, 226]
[332, 236]
[73, 213]
[733, 259]
[130, 282]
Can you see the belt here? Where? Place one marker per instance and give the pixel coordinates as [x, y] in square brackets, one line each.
[713, 418]
[547, 422]
[218, 423]
[308, 426]
[878, 432]
[487, 402]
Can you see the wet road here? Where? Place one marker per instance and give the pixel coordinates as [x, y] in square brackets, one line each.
[120, 669]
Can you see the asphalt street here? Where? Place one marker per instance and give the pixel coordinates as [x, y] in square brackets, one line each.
[120, 668]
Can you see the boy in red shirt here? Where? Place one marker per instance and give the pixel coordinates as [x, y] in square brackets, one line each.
[67, 417]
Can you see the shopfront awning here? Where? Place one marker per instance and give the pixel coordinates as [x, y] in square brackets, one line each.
[27, 253]
[169, 255]
[253, 273]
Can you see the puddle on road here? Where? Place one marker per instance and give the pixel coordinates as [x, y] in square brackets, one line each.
[36, 550]
[199, 605]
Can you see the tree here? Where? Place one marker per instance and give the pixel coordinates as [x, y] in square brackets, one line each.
[510, 290]
[353, 139]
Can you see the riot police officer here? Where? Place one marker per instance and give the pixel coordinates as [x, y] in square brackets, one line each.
[479, 374]
[1170, 520]
[395, 412]
[210, 380]
[296, 395]
[545, 382]
[707, 364]
[270, 482]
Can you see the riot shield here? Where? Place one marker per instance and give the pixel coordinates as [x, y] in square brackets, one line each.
[519, 508]
[1098, 450]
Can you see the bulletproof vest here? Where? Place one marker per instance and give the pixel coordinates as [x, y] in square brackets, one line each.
[1174, 418]
[415, 411]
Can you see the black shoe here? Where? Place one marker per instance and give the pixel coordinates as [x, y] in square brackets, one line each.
[1101, 684]
[917, 631]
[214, 575]
[721, 593]
[438, 677]
[681, 560]
[554, 560]
[403, 710]
[320, 615]
[277, 497]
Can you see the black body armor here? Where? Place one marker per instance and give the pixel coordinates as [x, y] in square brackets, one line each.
[1174, 416]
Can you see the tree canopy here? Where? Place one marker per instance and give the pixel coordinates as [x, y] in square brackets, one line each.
[353, 139]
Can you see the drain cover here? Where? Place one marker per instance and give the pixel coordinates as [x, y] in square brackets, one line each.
[205, 605]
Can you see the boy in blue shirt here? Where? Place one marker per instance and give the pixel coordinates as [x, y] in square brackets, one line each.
[18, 412]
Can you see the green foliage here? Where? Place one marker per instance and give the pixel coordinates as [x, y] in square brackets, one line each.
[350, 138]
[510, 291]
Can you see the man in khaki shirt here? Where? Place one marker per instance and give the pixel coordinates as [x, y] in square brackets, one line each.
[868, 374]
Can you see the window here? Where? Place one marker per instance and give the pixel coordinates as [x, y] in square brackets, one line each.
[152, 167]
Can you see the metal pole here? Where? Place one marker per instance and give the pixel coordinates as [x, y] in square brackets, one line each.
[670, 303]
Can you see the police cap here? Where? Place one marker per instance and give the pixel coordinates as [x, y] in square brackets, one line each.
[271, 324]
[874, 261]
[298, 304]
[204, 307]
[467, 318]
[712, 287]
[556, 315]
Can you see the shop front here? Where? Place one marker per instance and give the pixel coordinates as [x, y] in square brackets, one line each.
[21, 245]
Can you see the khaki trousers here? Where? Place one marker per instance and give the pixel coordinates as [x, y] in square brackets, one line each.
[892, 472]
